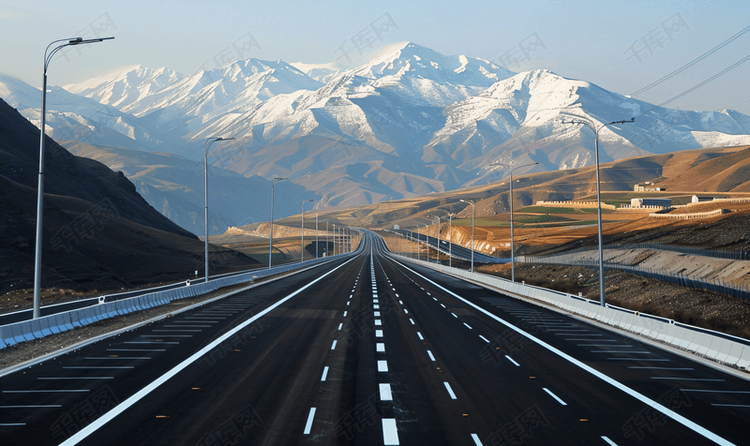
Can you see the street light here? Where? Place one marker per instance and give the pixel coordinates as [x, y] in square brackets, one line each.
[472, 232]
[40, 182]
[437, 241]
[270, 243]
[512, 238]
[596, 129]
[209, 141]
[316, 237]
[302, 258]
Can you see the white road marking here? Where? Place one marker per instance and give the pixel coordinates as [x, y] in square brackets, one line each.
[412, 321]
[333, 346]
[376, 306]
[514, 362]
[345, 313]
[468, 326]
[454, 315]
[380, 347]
[308, 425]
[450, 391]
[107, 417]
[378, 333]
[341, 325]
[382, 366]
[609, 442]
[475, 437]
[420, 336]
[432, 357]
[390, 433]
[406, 311]
[484, 339]
[385, 392]
[378, 322]
[554, 396]
[609, 380]
[442, 305]
[347, 304]
[325, 373]
[377, 314]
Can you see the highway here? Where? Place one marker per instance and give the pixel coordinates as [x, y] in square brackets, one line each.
[367, 350]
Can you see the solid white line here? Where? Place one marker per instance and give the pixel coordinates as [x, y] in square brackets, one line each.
[390, 433]
[609, 442]
[450, 391]
[382, 366]
[385, 392]
[420, 336]
[308, 425]
[378, 333]
[475, 437]
[380, 347]
[554, 396]
[325, 373]
[484, 339]
[107, 417]
[633, 393]
[333, 346]
[429, 353]
[514, 362]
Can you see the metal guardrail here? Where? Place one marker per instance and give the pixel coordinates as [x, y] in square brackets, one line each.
[716, 285]
[12, 334]
[717, 346]
[714, 253]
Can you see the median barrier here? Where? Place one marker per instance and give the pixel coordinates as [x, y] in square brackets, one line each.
[22, 332]
[2, 341]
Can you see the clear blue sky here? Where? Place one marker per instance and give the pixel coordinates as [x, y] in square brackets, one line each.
[621, 46]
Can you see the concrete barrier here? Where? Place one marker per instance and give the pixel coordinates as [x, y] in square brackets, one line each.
[15, 333]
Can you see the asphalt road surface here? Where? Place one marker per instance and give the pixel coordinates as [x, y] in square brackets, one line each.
[370, 351]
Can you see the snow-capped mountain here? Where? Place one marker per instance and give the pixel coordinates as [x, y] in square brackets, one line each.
[73, 117]
[408, 122]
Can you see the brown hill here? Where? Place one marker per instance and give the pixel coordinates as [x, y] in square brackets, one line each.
[99, 234]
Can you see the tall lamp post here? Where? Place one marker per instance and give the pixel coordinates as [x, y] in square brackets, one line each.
[592, 125]
[209, 141]
[40, 182]
[472, 232]
[270, 242]
[512, 238]
[437, 240]
[316, 237]
[302, 258]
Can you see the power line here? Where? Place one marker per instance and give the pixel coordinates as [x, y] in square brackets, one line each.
[692, 62]
[721, 73]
